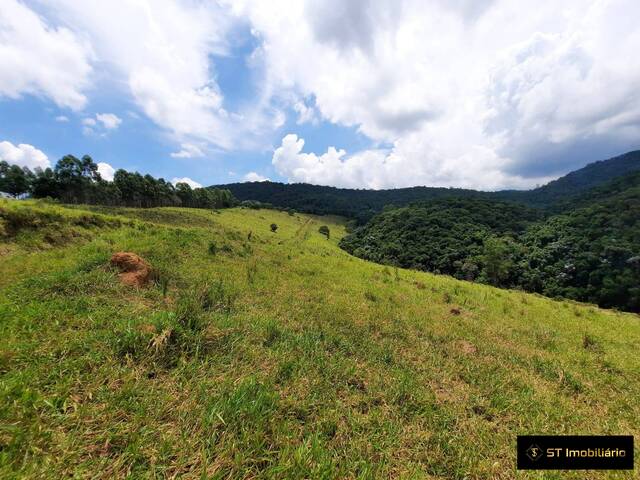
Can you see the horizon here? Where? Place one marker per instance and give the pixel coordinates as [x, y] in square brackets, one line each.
[370, 94]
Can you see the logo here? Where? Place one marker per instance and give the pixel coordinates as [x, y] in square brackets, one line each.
[534, 452]
[575, 452]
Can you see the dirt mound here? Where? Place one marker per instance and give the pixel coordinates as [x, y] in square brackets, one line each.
[134, 271]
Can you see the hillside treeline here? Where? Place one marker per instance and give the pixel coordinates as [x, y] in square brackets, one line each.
[589, 252]
[362, 205]
[75, 180]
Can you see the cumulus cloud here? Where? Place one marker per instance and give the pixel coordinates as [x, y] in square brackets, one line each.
[164, 53]
[394, 167]
[305, 113]
[187, 180]
[459, 88]
[106, 171]
[23, 155]
[41, 59]
[102, 122]
[188, 150]
[110, 121]
[254, 177]
[62, 119]
[486, 94]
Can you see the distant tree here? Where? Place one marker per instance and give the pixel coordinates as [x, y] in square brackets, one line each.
[13, 179]
[497, 261]
[324, 230]
[45, 184]
[274, 227]
[76, 180]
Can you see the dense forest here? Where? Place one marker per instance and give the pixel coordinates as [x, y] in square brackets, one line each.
[589, 252]
[76, 180]
[362, 205]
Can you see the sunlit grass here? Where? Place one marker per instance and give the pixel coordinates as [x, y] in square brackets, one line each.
[277, 355]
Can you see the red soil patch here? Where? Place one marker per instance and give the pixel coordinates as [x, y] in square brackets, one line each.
[134, 271]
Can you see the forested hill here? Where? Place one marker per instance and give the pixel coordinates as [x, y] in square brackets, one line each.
[364, 204]
[589, 252]
[577, 182]
[360, 204]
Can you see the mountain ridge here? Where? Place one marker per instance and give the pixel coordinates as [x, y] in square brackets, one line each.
[362, 204]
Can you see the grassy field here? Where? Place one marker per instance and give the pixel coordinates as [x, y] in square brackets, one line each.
[281, 356]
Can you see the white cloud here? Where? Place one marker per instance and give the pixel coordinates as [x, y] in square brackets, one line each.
[23, 155]
[254, 177]
[110, 121]
[187, 180]
[163, 52]
[106, 171]
[305, 113]
[394, 167]
[101, 123]
[41, 59]
[494, 94]
[188, 150]
[486, 94]
[62, 119]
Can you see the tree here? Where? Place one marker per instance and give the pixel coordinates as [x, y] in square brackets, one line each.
[324, 230]
[274, 227]
[14, 180]
[497, 260]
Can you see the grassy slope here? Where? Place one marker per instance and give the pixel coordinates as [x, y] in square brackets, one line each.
[282, 357]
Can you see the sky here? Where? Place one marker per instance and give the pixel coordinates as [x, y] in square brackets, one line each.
[484, 94]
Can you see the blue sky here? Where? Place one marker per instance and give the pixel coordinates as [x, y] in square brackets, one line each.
[367, 93]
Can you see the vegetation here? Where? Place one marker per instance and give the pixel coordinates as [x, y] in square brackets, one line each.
[76, 180]
[589, 253]
[324, 230]
[281, 356]
[362, 205]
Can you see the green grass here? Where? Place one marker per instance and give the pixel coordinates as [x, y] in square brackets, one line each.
[281, 356]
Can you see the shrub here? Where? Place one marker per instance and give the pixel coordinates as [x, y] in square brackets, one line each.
[274, 227]
[324, 230]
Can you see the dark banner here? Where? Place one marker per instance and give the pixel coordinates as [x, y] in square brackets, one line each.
[575, 452]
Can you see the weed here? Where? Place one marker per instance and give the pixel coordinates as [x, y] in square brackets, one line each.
[372, 297]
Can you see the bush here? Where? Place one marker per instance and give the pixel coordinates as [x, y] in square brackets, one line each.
[274, 227]
[324, 230]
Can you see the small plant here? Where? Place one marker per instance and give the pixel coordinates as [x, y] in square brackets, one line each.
[213, 248]
[324, 230]
[217, 298]
[252, 270]
[370, 296]
[590, 343]
[161, 279]
[274, 227]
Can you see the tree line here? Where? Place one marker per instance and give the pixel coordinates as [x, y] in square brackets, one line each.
[75, 180]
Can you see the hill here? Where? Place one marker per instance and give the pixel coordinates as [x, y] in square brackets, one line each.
[362, 205]
[588, 250]
[578, 182]
[278, 355]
